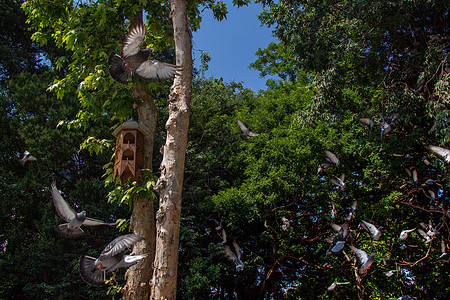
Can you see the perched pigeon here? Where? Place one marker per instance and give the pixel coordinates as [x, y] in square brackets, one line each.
[427, 238]
[374, 232]
[27, 156]
[387, 125]
[338, 241]
[367, 121]
[331, 158]
[234, 256]
[113, 257]
[335, 284]
[442, 153]
[286, 223]
[339, 182]
[135, 60]
[246, 132]
[404, 234]
[75, 220]
[365, 260]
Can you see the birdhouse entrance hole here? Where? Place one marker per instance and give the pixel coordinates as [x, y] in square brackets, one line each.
[128, 155]
[129, 138]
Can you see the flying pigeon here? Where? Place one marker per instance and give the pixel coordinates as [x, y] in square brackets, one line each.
[339, 182]
[427, 238]
[390, 273]
[27, 156]
[404, 234]
[234, 257]
[335, 284]
[374, 232]
[442, 153]
[322, 167]
[365, 260]
[352, 210]
[75, 220]
[286, 223]
[133, 59]
[367, 121]
[431, 231]
[93, 270]
[338, 241]
[414, 179]
[331, 158]
[246, 132]
[387, 125]
[443, 249]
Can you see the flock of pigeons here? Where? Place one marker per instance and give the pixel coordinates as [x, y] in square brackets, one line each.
[93, 270]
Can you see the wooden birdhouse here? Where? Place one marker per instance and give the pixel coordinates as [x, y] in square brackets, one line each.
[129, 157]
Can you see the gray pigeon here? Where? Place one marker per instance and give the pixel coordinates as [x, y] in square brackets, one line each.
[431, 231]
[93, 270]
[352, 210]
[442, 153]
[234, 256]
[404, 234]
[135, 60]
[331, 158]
[365, 260]
[75, 220]
[427, 238]
[338, 241]
[387, 125]
[246, 132]
[374, 232]
[390, 273]
[286, 223]
[335, 284]
[339, 182]
[27, 156]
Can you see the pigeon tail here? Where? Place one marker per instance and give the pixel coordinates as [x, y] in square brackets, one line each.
[90, 273]
[69, 233]
[129, 260]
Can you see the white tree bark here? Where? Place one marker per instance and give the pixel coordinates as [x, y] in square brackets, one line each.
[170, 182]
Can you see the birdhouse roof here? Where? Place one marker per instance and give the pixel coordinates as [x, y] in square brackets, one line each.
[129, 125]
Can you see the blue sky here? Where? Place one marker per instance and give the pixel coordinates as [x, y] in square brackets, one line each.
[232, 44]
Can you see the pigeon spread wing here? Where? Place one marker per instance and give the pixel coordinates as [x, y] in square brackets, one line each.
[62, 207]
[89, 272]
[133, 41]
[442, 153]
[119, 245]
[241, 125]
[229, 254]
[361, 255]
[95, 222]
[118, 70]
[156, 70]
[332, 157]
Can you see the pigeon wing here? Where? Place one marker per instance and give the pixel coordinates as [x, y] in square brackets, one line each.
[133, 41]
[90, 273]
[62, 207]
[440, 152]
[333, 158]
[252, 134]
[361, 255]
[94, 222]
[118, 70]
[241, 125]
[229, 254]
[119, 245]
[151, 70]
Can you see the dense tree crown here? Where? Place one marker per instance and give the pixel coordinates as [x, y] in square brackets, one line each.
[363, 92]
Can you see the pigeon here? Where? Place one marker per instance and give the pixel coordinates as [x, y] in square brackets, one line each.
[404, 234]
[338, 241]
[335, 284]
[75, 220]
[407, 155]
[367, 121]
[246, 132]
[333, 210]
[374, 232]
[427, 238]
[234, 257]
[322, 167]
[93, 270]
[135, 60]
[414, 179]
[286, 223]
[27, 156]
[386, 126]
[442, 153]
[352, 210]
[331, 158]
[365, 260]
[339, 182]
[390, 273]
[431, 231]
[443, 249]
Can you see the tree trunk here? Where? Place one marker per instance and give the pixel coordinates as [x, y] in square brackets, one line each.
[170, 182]
[138, 276]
